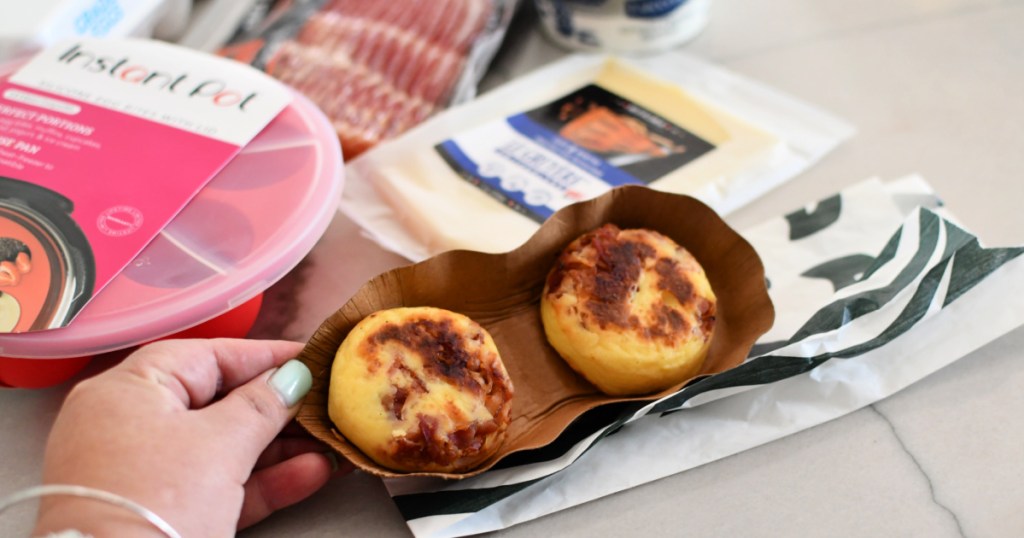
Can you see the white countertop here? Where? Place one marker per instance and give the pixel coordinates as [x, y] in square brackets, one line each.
[933, 87]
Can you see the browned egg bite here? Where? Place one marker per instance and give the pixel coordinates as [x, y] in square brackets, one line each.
[630, 310]
[421, 389]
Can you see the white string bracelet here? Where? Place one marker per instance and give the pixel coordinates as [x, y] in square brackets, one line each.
[89, 493]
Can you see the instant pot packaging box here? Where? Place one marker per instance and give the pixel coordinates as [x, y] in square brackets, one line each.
[102, 142]
[148, 191]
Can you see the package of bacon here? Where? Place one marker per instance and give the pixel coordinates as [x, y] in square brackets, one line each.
[377, 68]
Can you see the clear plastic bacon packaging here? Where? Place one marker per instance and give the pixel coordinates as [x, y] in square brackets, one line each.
[376, 69]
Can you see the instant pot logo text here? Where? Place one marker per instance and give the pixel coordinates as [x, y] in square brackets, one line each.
[215, 91]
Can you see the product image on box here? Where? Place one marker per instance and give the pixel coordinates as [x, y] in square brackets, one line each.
[46, 264]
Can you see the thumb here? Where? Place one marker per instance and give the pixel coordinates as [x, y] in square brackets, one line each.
[253, 414]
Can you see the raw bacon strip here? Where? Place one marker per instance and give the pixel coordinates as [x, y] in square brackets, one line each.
[363, 107]
[472, 21]
[453, 10]
[452, 24]
[407, 61]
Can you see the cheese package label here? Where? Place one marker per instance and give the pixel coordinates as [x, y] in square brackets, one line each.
[571, 149]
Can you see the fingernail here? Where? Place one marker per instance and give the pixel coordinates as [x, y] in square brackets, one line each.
[333, 458]
[292, 381]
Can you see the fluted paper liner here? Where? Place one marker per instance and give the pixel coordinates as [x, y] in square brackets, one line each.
[502, 293]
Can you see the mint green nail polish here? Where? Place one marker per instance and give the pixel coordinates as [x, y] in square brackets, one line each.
[292, 381]
[333, 458]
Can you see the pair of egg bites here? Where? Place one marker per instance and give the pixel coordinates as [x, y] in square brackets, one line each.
[424, 389]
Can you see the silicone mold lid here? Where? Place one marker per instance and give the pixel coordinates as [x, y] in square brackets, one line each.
[251, 224]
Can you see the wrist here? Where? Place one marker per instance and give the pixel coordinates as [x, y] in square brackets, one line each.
[89, 510]
[91, 517]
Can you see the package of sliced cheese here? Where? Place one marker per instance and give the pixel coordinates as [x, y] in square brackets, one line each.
[484, 175]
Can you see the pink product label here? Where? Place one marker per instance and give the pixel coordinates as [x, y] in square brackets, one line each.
[80, 195]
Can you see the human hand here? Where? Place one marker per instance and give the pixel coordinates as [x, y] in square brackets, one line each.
[188, 429]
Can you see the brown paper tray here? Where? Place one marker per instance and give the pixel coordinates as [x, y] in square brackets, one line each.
[502, 293]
